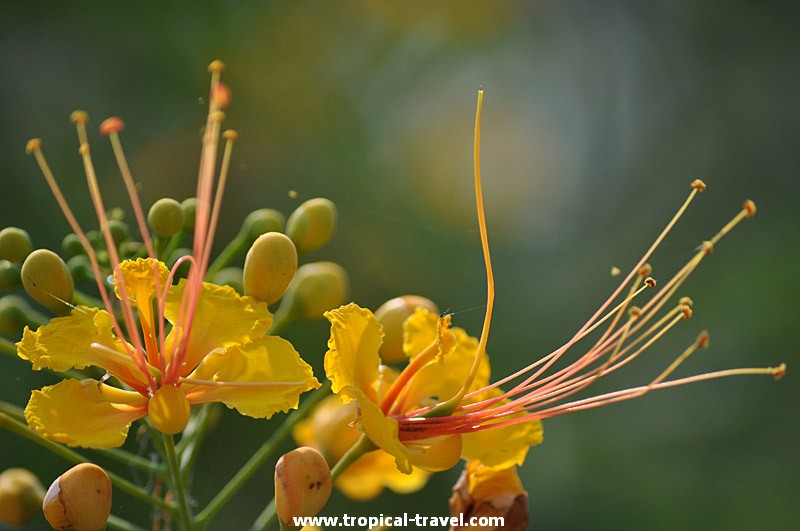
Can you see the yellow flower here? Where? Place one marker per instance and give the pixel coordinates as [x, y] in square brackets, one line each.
[441, 359]
[170, 345]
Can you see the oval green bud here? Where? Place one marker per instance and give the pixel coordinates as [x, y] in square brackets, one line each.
[302, 484]
[119, 230]
[72, 245]
[79, 499]
[230, 276]
[9, 275]
[312, 224]
[165, 217]
[15, 244]
[95, 238]
[80, 268]
[189, 207]
[260, 222]
[317, 287]
[269, 267]
[391, 315]
[21, 495]
[13, 315]
[46, 278]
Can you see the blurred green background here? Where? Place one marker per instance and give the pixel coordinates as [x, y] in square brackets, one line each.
[596, 118]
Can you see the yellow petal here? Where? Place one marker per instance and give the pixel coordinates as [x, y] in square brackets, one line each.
[374, 471]
[65, 343]
[504, 446]
[381, 430]
[84, 413]
[352, 357]
[144, 279]
[436, 455]
[441, 378]
[266, 360]
[485, 482]
[329, 428]
[222, 319]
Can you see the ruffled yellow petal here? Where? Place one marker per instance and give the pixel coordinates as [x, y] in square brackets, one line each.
[485, 482]
[504, 446]
[139, 278]
[374, 471]
[222, 319]
[381, 430]
[254, 366]
[352, 357]
[65, 343]
[441, 378]
[84, 413]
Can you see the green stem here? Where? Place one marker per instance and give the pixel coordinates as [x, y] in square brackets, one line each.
[193, 436]
[177, 483]
[261, 455]
[115, 522]
[362, 446]
[174, 242]
[8, 347]
[71, 456]
[234, 248]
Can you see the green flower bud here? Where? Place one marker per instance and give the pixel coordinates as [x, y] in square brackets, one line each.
[165, 217]
[21, 496]
[183, 269]
[79, 499]
[391, 315]
[9, 275]
[189, 207]
[269, 267]
[230, 276]
[119, 230]
[80, 268]
[13, 315]
[311, 225]
[261, 222]
[72, 245]
[47, 280]
[15, 244]
[316, 288]
[302, 484]
[95, 239]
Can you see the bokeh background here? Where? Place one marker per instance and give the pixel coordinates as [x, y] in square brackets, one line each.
[596, 118]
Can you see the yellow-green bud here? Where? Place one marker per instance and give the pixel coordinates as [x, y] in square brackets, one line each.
[15, 244]
[302, 484]
[9, 275]
[21, 496]
[80, 268]
[391, 315]
[269, 267]
[189, 207]
[72, 245]
[311, 225]
[13, 318]
[230, 276]
[260, 222]
[95, 238]
[47, 280]
[317, 287]
[119, 230]
[79, 499]
[165, 217]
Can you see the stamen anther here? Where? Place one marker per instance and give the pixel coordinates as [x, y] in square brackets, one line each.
[650, 282]
[645, 270]
[687, 312]
[750, 208]
[779, 372]
[111, 125]
[34, 144]
[634, 312]
[686, 301]
[84, 149]
[698, 185]
[79, 117]
[216, 66]
[221, 94]
[703, 339]
[231, 135]
[706, 247]
[217, 116]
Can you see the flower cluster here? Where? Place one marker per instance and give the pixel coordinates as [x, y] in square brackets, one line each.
[168, 328]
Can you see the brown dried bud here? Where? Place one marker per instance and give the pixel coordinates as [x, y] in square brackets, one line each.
[302, 484]
[483, 494]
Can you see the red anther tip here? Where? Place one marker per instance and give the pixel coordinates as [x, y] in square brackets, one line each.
[687, 312]
[707, 247]
[650, 282]
[750, 208]
[79, 117]
[216, 66]
[221, 94]
[779, 371]
[686, 301]
[698, 185]
[634, 312]
[645, 270]
[111, 125]
[34, 144]
[703, 339]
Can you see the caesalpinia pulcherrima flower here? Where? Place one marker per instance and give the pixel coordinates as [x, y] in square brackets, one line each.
[441, 406]
[170, 344]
